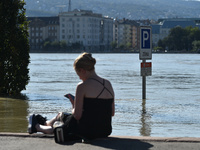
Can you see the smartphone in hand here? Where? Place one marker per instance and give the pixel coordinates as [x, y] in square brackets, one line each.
[67, 96]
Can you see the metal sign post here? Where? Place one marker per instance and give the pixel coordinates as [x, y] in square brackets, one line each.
[143, 84]
[145, 71]
[145, 54]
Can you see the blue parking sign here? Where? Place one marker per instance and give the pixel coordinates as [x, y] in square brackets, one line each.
[146, 39]
[145, 42]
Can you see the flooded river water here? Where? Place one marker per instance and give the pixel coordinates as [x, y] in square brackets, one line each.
[170, 110]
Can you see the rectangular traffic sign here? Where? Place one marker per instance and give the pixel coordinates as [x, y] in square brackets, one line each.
[146, 69]
[145, 42]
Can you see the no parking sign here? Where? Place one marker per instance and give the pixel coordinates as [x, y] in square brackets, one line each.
[146, 69]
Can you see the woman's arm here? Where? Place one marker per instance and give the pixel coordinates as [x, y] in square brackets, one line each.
[113, 104]
[113, 108]
[78, 102]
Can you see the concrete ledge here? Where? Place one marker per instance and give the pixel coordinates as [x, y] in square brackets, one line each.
[142, 138]
[162, 139]
[38, 135]
[24, 141]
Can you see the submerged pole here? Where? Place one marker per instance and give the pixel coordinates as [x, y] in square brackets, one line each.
[144, 84]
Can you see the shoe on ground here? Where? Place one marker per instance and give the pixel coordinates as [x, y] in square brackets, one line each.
[41, 120]
[57, 124]
[32, 124]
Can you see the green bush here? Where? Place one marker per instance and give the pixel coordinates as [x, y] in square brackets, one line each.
[14, 47]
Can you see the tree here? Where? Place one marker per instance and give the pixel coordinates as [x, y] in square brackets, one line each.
[113, 44]
[121, 46]
[47, 45]
[176, 35]
[161, 44]
[76, 45]
[14, 47]
[55, 45]
[181, 39]
[128, 45]
[63, 44]
[158, 48]
[196, 45]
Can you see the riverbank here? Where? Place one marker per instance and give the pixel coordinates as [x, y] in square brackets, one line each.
[24, 141]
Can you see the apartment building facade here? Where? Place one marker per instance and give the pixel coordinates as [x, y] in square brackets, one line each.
[42, 29]
[95, 32]
[91, 30]
[126, 33]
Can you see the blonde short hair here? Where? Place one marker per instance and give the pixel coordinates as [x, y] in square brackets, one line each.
[85, 61]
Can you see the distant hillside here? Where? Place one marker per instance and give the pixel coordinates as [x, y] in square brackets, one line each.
[130, 9]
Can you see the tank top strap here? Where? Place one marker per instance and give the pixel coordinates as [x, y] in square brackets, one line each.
[103, 87]
[98, 81]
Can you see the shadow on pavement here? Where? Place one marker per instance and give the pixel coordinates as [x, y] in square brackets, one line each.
[121, 143]
[117, 143]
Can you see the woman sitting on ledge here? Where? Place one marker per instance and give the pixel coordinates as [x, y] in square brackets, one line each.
[93, 106]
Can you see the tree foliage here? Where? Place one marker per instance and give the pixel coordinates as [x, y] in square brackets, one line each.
[14, 47]
[180, 39]
[62, 46]
[196, 46]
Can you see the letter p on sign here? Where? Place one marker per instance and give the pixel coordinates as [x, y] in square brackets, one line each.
[146, 39]
[145, 43]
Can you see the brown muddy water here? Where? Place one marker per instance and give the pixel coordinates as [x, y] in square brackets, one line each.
[13, 115]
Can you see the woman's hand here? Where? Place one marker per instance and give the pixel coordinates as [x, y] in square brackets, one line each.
[71, 98]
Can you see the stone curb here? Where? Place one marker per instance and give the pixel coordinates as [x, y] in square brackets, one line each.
[163, 139]
[25, 135]
[142, 138]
